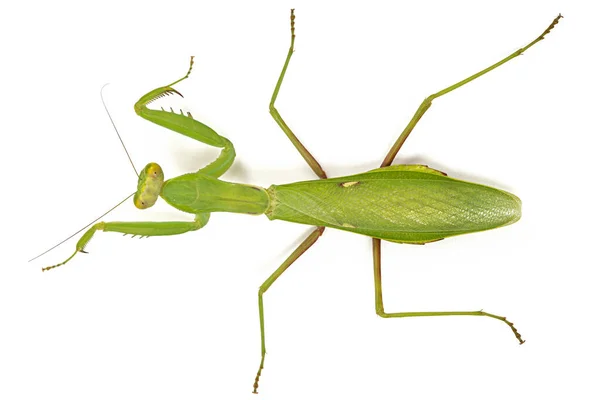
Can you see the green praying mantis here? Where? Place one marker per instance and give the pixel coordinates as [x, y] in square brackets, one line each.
[411, 204]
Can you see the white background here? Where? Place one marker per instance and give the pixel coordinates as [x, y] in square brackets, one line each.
[176, 317]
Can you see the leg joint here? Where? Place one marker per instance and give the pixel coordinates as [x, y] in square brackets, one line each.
[272, 110]
[379, 310]
[262, 289]
[428, 101]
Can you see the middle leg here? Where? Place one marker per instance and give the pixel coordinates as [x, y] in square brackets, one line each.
[305, 245]
[312, 162]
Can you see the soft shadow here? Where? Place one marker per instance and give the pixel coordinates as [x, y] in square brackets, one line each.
[194, 159]
[452, 172]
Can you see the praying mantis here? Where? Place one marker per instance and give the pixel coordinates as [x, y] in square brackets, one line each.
[411, 204]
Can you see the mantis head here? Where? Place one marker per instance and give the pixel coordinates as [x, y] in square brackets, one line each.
[149, 187]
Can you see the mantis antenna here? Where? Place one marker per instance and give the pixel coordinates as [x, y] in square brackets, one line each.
[116, 130]
[122, 201]
[55, 246]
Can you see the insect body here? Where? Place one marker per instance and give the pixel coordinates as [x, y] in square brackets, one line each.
[401, 203]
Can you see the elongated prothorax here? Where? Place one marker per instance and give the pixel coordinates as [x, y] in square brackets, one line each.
[196, 192]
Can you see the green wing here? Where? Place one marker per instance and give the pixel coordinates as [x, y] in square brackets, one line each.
[401, 203]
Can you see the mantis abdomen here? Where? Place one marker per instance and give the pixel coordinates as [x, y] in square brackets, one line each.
[402, 203]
